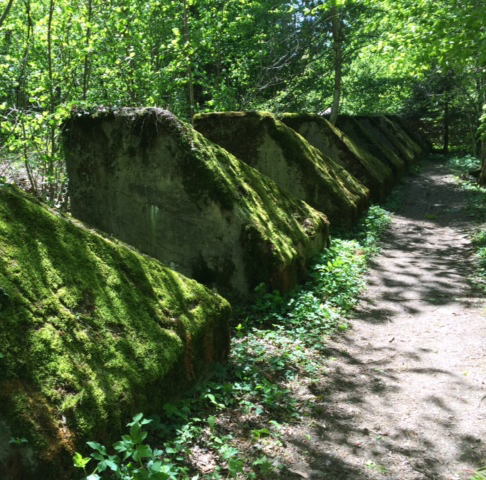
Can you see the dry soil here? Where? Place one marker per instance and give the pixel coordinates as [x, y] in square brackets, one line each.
[405, 394]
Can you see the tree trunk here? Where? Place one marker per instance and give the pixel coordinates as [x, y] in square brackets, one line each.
[446, 123]
[87, 57]
[52, 107]
[482, 176]
[337, 30]
[190, 83]
[5, 12]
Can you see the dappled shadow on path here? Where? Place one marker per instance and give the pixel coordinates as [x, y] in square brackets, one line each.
[358, 430]
[402, 397]
[426, 258]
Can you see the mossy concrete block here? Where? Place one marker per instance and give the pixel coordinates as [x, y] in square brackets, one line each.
[157, 184]
[277, 151]
[425, 145]
[368, 136]
[91, 332]
[408, 149]
[333, 143]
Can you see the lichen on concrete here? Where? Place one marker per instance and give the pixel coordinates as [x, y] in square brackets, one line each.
[327, 138]
[277, 151]
[91, 332]
[159, 185]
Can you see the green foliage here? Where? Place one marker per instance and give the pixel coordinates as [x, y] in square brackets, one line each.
[232, 56]
[277, 339]
[134, 459]
[462, 165]
[479, 474]
[18, 440]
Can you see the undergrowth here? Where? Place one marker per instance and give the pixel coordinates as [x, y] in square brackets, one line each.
[479, 474]
[463, 167]
[476, 209]
[230, 426]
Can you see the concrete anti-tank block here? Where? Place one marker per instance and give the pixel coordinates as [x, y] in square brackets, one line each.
[369, 136]
[157, 184]
[91, 331]
[274, 149]
[333, 143]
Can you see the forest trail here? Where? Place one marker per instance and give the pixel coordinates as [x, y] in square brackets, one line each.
[405, 394]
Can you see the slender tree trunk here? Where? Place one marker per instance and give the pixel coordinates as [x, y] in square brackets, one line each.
[52, 106]
[21, 80]
[25, 153]
[5, 12]
[87, 57]
[337, 30]
[446, 123]
[190, 83]
[482, 176]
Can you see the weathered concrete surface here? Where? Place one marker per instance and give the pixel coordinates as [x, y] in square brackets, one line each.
[414, 132]
[91, 332]
[368, 136]
[157, 184]
[409, 150]
[333, 143]
[277, 151]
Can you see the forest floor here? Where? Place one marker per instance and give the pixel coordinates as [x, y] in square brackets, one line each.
[404, 396]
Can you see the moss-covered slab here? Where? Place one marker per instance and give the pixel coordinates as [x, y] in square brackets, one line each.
[91, 332]
[157, 184]
[277, 151]
[327, 138]
[368, 136]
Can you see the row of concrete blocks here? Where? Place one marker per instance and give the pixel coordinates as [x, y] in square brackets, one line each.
[230, 220]
[240, 199]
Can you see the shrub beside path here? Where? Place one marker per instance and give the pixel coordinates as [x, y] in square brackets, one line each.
[405, 393]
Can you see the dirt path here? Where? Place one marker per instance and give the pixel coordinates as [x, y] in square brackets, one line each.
[405, 394]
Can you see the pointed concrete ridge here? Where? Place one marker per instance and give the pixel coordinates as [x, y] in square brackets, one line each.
[422, 145]
[91, 332]
[333, 143]
[369, 136]
[277, 151]
[155, 183]
[409, 150]
[388, 137]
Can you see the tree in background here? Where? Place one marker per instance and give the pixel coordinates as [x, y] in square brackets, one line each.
[425, 59]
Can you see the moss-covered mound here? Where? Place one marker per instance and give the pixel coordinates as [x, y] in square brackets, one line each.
[91, 332]
[333, 143]
[156, 183]
[277, 151]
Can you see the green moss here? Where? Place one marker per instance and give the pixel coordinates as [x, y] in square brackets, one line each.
[283, 230]
[366, 168]
[346, 195]
[319, 181]
[92, 331]
[368, 137]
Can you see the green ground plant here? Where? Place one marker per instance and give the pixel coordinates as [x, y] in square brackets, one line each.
[277, 340]
[479, 474]
[461, 166]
